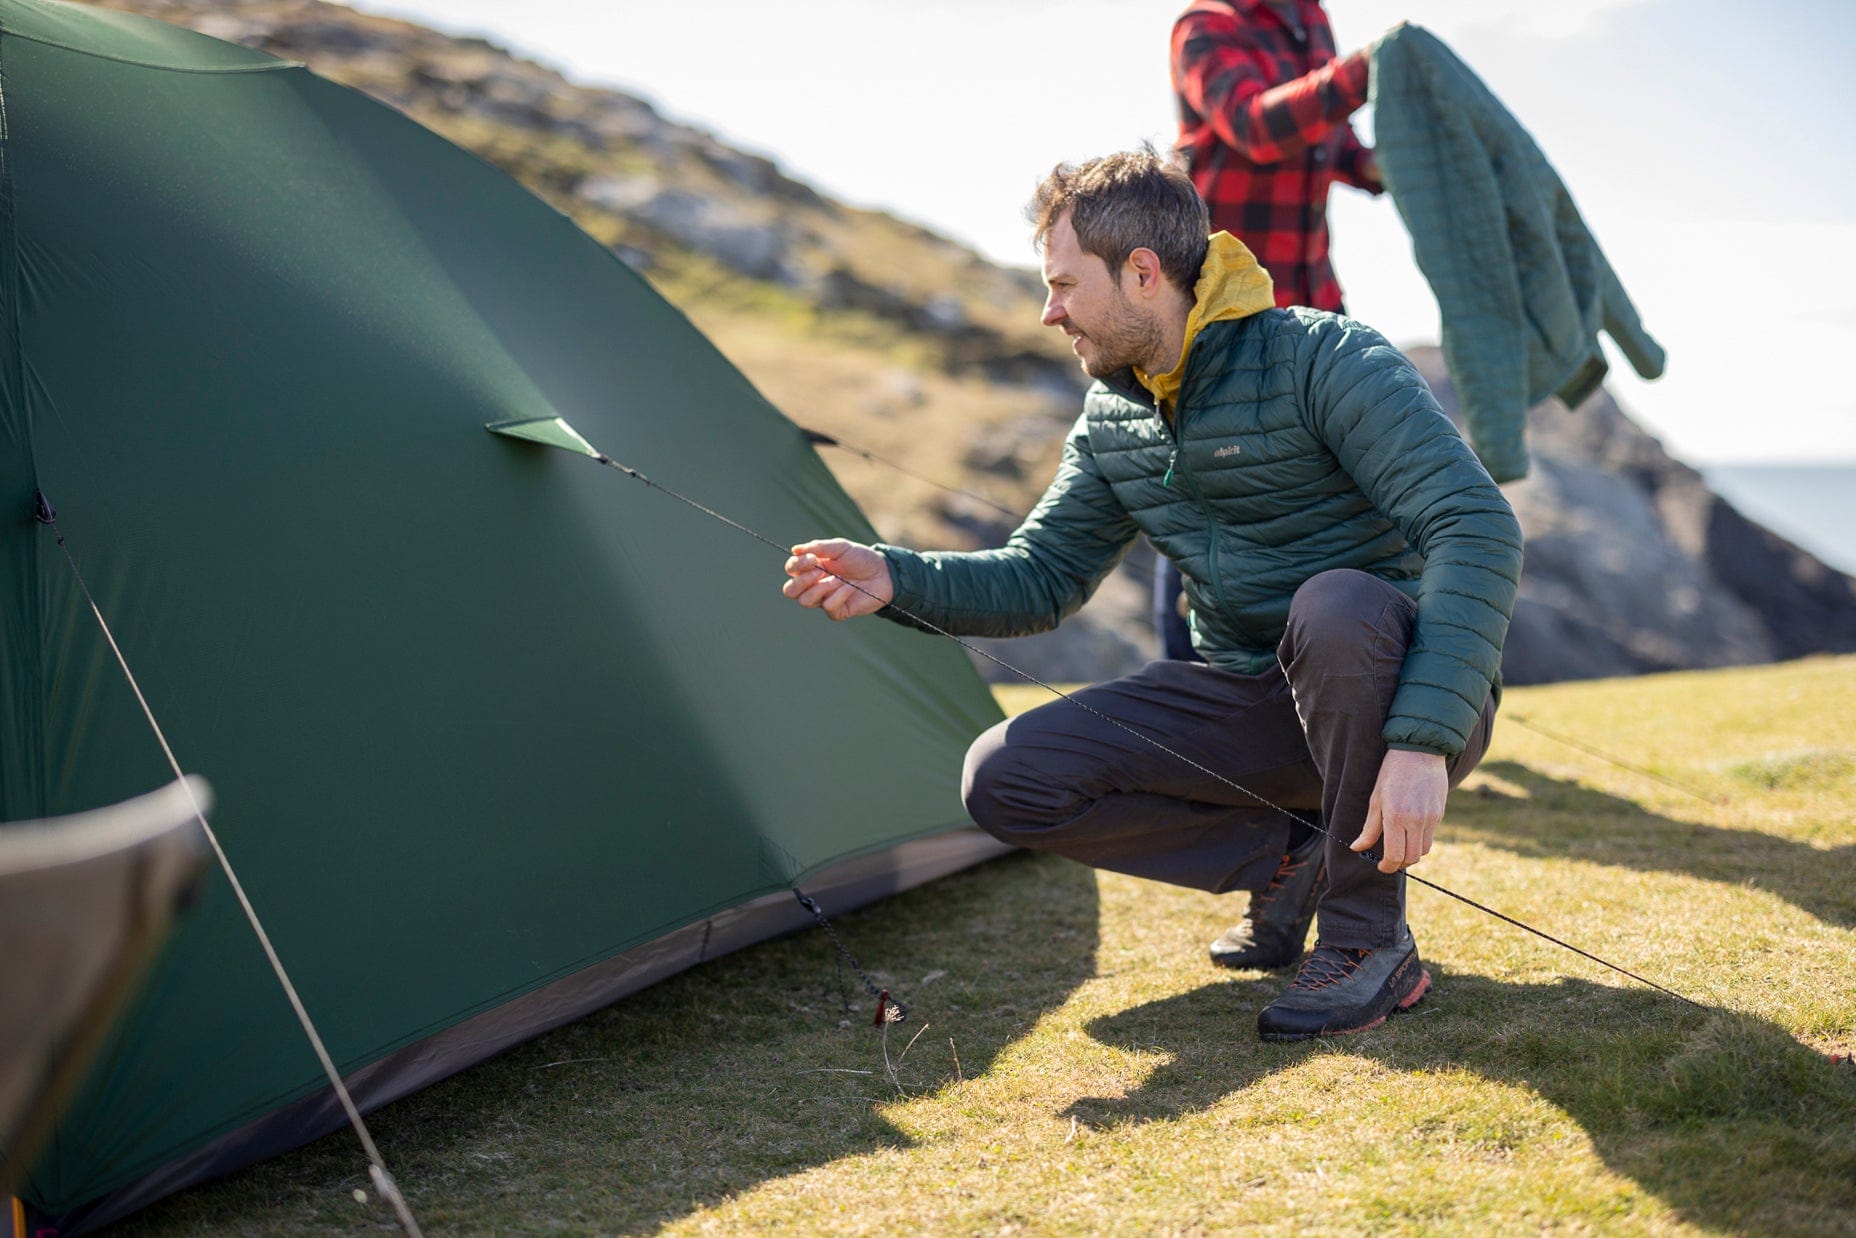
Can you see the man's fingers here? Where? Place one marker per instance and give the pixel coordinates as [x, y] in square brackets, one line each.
[1409, 852]
[849, 602]
[827, 593]
[802, 579]
[1392, 855]
[837, 598]
[1407, 841]
[1369, 833]
[1401, 846]
[823, 548]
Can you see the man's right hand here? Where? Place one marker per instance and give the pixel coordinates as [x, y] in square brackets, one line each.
[843, 578]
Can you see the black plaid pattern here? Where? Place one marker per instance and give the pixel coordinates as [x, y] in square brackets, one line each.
[1263, 107]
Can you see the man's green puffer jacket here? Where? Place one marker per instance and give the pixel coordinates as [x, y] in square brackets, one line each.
[1304, 442]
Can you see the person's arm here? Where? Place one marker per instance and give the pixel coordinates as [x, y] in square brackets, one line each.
[1377, 415]
[1356, 164]
[1227, 82]
[1047, 569]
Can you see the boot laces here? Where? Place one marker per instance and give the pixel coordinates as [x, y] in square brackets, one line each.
[1329, 966]
[1289, 867]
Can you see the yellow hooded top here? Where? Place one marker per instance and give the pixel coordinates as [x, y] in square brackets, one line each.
[1232, 284]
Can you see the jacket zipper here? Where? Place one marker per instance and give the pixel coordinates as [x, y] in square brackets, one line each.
[1192, 488]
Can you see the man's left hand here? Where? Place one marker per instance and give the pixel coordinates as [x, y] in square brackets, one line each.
[1407, 804]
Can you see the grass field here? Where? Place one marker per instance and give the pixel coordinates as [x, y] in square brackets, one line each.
[1073, 1064]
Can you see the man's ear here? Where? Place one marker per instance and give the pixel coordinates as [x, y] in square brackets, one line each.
[1144, 268]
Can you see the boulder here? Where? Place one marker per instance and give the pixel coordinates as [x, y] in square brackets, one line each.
[1634, 564]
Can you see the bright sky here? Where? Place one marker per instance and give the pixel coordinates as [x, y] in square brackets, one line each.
[1706, 141]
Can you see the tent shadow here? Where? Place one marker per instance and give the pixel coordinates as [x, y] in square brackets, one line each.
[757, 1066]
[1559, 819]
[1724, 1116]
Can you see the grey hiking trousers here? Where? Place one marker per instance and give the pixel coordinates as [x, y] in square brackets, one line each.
[1304, 736]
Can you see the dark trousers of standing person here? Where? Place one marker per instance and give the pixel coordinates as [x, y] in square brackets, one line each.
[1303, 736]
[1170, 625]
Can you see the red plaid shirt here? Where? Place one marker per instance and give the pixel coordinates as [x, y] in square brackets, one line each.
[1263, 107]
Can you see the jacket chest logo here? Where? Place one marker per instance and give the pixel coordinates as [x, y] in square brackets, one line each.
[1225, 452]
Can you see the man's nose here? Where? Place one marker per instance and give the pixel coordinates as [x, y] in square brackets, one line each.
[1053, 312]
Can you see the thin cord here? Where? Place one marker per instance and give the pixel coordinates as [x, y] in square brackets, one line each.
[883, 1000]
[825, 440]
[1548, 936]
[383, 1181]
[1369, 856]
[1641, 772]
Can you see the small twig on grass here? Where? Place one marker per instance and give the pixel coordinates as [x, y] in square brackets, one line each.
[569, 1061]
[911, 1044]
[959, 1076]
[834, 1070]
[887, 1064]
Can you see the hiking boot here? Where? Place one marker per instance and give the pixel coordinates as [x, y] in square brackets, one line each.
[1339, 989]
[1276, 926]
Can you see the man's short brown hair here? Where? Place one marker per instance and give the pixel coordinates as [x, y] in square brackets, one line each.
[1123, 202]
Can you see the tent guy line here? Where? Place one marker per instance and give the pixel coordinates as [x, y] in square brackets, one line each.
[389, 1190]
[885, 1004]
[1652, 775]
[821, 439]
[556, 432]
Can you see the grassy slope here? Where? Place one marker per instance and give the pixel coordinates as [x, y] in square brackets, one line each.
[1084, 1070]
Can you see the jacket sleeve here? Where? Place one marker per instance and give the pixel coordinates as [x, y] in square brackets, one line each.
[1376, 414]
[1046, 570]
[1224, 78]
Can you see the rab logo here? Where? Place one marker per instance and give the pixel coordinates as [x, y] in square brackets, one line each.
[1226, 452]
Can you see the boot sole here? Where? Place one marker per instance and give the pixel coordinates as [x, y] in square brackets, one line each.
[1406, 1003]
[1237, 964]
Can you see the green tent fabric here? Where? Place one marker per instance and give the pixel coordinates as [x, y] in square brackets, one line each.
[1522, 287]
[497, 734]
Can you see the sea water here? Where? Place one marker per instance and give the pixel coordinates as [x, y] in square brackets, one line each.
[1813, 505]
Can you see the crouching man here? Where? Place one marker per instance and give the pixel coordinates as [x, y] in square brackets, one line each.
[1350, 569]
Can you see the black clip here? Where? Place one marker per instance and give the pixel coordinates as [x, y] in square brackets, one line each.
[42, 510]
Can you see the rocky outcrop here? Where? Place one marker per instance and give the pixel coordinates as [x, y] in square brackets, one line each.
[1634, 565]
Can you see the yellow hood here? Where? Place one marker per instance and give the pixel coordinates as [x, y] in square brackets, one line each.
[1232, 284]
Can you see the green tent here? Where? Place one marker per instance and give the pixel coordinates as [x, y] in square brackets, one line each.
[497, 734]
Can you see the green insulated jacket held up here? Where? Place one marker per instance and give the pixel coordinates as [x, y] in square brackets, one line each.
[1302, 442]
[1522, 287]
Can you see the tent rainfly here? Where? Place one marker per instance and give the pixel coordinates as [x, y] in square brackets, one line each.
[496, 735]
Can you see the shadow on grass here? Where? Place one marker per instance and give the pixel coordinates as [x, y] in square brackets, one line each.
[743, 1070]
[1723, 1116]
[1560, 819]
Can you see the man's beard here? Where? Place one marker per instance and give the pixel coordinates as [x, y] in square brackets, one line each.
[1124, 338]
